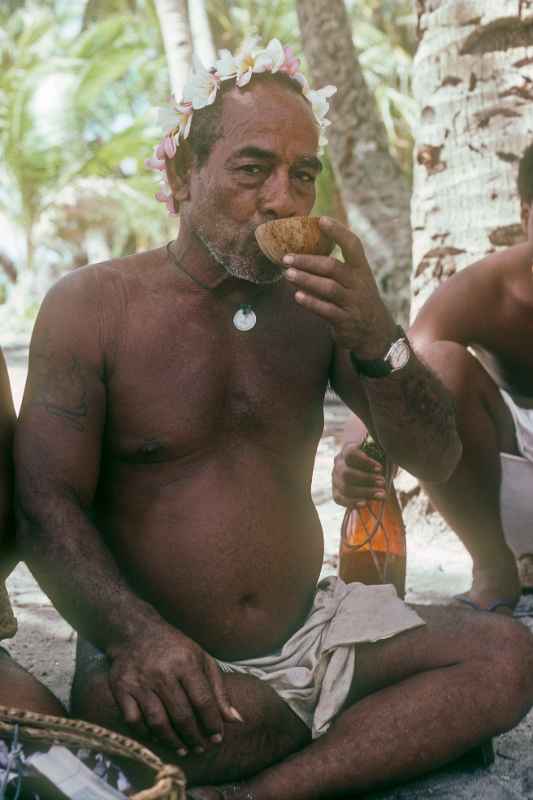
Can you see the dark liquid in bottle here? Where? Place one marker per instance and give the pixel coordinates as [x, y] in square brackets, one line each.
[360, 566]
[373, 544]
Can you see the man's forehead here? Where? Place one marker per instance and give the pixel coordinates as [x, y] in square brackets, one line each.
[269, 113]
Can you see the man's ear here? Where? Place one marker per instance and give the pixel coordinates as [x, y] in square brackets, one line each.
[178, 170]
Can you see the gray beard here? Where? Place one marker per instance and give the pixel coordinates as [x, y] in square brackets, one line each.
[259, 270]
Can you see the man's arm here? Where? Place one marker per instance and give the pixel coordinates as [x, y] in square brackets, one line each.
[157, 675]
[7, 424]
[409, 411]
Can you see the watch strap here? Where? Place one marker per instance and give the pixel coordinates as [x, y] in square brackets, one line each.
[376, 367]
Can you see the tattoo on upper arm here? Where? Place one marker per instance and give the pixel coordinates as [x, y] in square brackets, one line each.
[62, 389]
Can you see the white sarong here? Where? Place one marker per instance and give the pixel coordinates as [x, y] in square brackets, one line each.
[314, 670]
[516, 490]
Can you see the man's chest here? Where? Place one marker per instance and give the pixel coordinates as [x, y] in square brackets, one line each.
[177, 386]
[507, 347]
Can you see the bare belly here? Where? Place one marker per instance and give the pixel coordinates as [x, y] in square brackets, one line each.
[228, 547]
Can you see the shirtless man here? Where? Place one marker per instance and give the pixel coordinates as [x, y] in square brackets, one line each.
[164, 466]
[18, 688]
[487, 308]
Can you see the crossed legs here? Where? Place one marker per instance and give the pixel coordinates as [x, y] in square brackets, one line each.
[419, 700]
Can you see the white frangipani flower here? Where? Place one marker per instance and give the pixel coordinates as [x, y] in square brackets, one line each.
[167, 118]
[271, 59]
[176, 120]
[319, 101]
[201, 88]
[226, 65]
[246, 61]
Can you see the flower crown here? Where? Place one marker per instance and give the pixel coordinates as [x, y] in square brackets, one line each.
[203, 85]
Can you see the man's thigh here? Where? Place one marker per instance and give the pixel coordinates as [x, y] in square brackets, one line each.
[451, 636]
[270, 731]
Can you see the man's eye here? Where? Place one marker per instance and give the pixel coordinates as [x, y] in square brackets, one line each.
[306, 177]
[252, 169]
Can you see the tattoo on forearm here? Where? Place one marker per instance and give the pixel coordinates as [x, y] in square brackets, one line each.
[417, 397]
[426, 397]
[61, 390]
[73, 416]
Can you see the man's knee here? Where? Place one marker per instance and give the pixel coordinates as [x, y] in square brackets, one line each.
[509, 667]
[457, 368]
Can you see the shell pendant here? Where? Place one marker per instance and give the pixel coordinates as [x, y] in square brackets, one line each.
[244, 318]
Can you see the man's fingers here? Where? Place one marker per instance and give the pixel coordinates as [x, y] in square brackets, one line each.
[354, 457]
[183, 717]
[327, 311]
[324, 288]
[323, 266]
[350, 244]
[204, 703]
[216, 680]
[131, 713]
[157, 720]
[354, 494]
[355, 477]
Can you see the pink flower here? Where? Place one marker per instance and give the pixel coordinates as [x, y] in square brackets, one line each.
[291, 65]
[155, 163]
[168, 200]
[169, 146]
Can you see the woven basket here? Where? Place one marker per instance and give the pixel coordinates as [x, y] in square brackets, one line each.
[8, 623]
[169, 781]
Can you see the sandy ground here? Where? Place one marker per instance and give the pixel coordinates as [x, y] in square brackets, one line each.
[438, 567]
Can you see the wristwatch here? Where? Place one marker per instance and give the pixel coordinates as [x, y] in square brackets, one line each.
[396, 357]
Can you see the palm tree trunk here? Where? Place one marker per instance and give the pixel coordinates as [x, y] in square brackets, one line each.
[174, 22]
[473, 79]
[374, 190]
[30, 246]
[202, 39]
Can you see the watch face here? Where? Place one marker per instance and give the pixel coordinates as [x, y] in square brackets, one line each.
[399, 353]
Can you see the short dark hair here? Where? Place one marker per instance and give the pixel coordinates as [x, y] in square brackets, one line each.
[525, 176]
[206, 126]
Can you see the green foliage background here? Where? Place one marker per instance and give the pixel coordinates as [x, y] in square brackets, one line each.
[77, 81]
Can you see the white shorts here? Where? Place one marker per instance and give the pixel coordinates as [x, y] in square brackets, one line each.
[516, 490]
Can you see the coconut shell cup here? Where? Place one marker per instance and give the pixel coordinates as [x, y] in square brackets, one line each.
[299, 235]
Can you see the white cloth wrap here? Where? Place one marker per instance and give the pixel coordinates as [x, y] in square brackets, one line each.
[315, 668]
[516, 489]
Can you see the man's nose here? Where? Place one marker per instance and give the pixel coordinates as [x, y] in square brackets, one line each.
[276, 199]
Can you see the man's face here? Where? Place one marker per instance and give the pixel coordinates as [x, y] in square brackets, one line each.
[264, 167]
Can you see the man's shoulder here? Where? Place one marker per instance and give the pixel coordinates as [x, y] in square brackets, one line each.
[490, 274]
[514, 258]
[100, 282]
[485, 290]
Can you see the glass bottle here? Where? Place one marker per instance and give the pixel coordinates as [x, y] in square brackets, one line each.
[372, 548]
